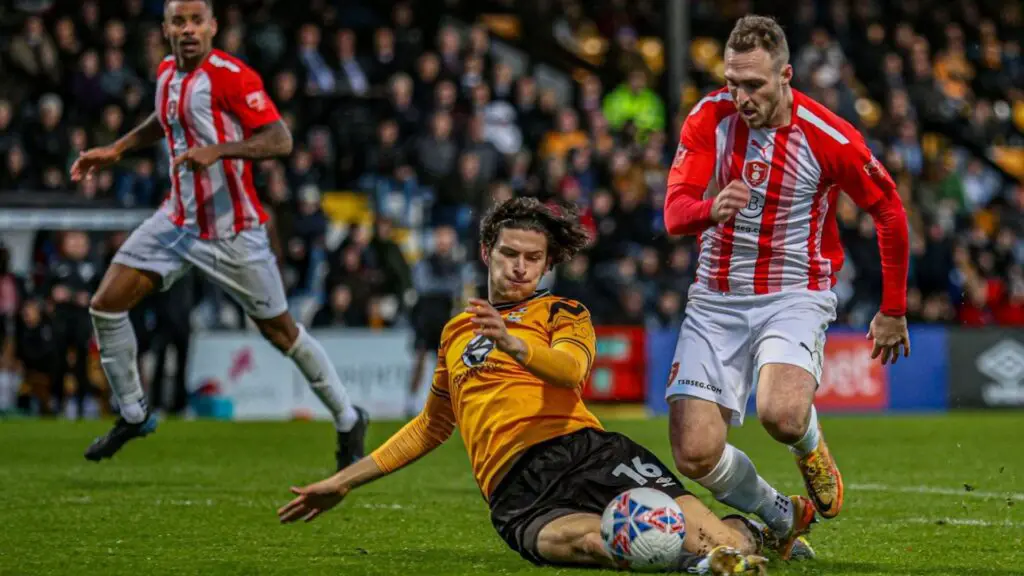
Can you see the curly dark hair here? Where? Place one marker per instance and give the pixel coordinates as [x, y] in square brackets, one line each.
[207, 2]
[559, 221]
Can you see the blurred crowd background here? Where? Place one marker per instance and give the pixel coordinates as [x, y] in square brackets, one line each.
[411, 118]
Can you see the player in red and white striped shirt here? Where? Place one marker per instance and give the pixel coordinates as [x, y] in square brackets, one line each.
[756, 178]
[216, 119]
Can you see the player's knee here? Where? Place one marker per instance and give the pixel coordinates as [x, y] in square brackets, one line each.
[275, 336]
[591, 546]
[695, 459]
[279, 332]
[786, 423]
[102, 302]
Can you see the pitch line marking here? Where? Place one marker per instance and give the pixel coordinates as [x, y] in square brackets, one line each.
[976, 522]
[937, 490]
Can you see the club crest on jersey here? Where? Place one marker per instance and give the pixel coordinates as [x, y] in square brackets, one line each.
[476, 351]
[755, 172]
[516, 315]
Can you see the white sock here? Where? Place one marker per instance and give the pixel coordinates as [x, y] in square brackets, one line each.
[118, 350]
[734, 481]
[809, 442]
[8, 382]
[312, 361]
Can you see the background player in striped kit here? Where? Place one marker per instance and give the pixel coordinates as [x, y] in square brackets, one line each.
[769, 249]
[217, 118]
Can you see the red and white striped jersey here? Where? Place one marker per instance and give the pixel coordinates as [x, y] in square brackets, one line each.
[786, 238]
[222, 100]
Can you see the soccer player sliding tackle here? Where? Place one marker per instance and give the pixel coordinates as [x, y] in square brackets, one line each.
[769, 251]
[509, 374]
[217, 118]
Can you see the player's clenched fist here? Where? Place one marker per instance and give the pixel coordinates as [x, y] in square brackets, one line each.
[729, 201]
[93, 159]
[489, 322]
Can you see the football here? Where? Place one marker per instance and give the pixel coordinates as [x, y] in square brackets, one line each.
[644, 529]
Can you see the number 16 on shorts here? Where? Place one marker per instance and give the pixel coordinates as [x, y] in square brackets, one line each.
[642, 473]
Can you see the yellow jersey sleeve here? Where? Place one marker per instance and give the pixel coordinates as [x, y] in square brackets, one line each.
[572, 330]
[565, 359]
[428, 430]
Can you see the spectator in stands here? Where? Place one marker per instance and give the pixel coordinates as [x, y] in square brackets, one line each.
[319, 78]
[448, 49]
[385, 255]
[354, 74]
[173, 310]
[386, 156]
[86, 86]
[439, 279]
[408, 38]
[70, 283]
[819, 63]
[338, 311]
[17, 175]
[436, 153]
[460, 194]
[401, 107]
[35, 352]
[33, 53]
[115, 77]
[428, 70]
[558, 143]
[635, 103]
[476, 143]
[47, 140]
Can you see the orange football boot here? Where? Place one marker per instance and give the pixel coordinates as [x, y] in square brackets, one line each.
[822, 479]
[803, 518]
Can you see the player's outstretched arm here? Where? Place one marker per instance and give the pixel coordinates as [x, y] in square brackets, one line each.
[416, 439]
[315, 499]
[146, 134]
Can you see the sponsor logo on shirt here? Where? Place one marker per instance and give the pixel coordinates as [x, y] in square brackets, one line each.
[680, 154]
[256, 100]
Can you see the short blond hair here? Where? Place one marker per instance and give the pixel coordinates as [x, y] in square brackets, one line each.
[753, 32]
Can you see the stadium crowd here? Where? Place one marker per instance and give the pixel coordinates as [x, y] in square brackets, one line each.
[425, 120]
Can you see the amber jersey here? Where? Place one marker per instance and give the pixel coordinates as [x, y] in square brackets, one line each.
[500, 408]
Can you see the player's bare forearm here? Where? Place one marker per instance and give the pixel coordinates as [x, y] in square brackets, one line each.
[270, 141]
[362, 472]
[146, 134]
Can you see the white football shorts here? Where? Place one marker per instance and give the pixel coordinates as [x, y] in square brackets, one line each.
[726, 339]
[244, 266]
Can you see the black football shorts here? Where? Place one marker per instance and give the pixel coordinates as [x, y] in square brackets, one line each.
[582, 471]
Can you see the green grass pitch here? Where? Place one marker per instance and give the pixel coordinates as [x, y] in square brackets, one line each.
[932, 495]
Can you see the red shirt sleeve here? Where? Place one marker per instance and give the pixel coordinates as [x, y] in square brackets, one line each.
[869, 185]
[687, 212]
[247, 100]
